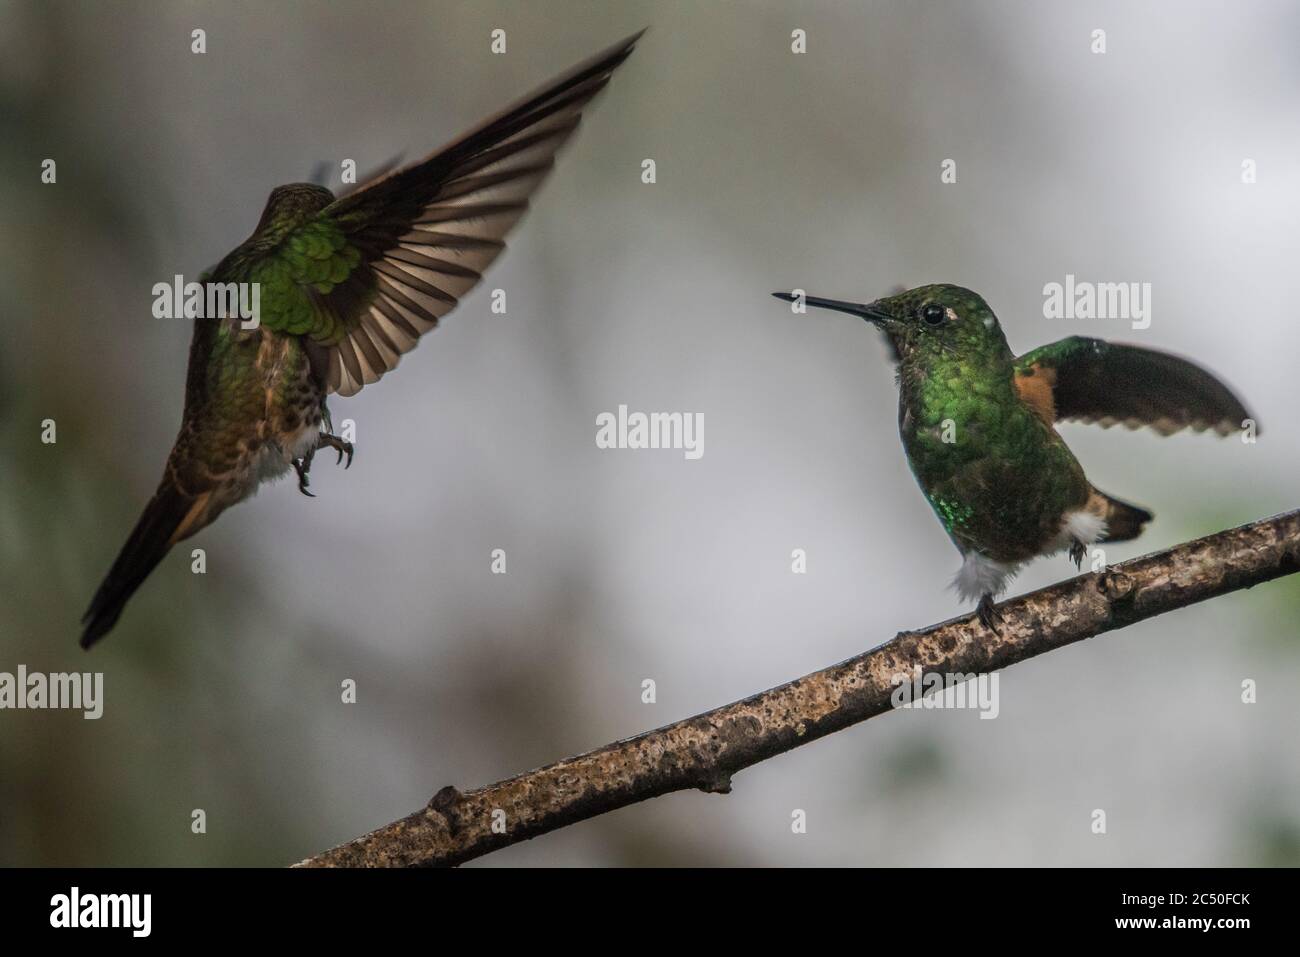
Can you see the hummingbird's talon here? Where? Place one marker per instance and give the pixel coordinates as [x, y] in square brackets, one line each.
[1078, 551]
[341, 446]
[301, 466]
[988, 613]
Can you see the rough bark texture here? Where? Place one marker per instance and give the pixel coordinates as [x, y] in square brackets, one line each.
[706, 750]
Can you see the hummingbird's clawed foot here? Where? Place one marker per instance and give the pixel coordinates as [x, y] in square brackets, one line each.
[1078, 551]
[338, 445]
[302, 466]
[988, 613]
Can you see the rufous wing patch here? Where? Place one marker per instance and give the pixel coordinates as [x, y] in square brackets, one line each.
[1036, 387]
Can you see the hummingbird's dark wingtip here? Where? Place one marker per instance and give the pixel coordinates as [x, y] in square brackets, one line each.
[94, 628]
[621, 50]
[624, 47]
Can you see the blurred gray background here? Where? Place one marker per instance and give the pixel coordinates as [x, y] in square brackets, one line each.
[775, 170]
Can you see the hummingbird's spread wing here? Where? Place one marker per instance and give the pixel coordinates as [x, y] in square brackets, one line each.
[377, 268]
[1091, 380]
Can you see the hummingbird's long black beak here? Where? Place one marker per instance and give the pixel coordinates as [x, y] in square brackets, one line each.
[863, 310]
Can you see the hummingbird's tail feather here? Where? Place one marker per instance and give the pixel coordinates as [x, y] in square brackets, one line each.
[169, 517]
[1123, 520]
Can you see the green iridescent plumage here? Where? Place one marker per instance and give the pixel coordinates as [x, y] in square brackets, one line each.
[978, 426]
[298, 256]
[998, 476]
[314, 258]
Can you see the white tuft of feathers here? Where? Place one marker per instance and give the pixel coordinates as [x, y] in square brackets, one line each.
[980, 575]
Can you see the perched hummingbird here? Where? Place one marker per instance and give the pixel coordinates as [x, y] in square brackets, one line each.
[347, 285]
[978, 427]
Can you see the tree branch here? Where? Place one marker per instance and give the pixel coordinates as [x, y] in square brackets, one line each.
[706, 750]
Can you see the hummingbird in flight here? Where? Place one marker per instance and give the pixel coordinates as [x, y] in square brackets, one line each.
[347, 285]
[978, 425]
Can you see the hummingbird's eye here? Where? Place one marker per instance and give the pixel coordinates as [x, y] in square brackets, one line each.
[933, 314]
